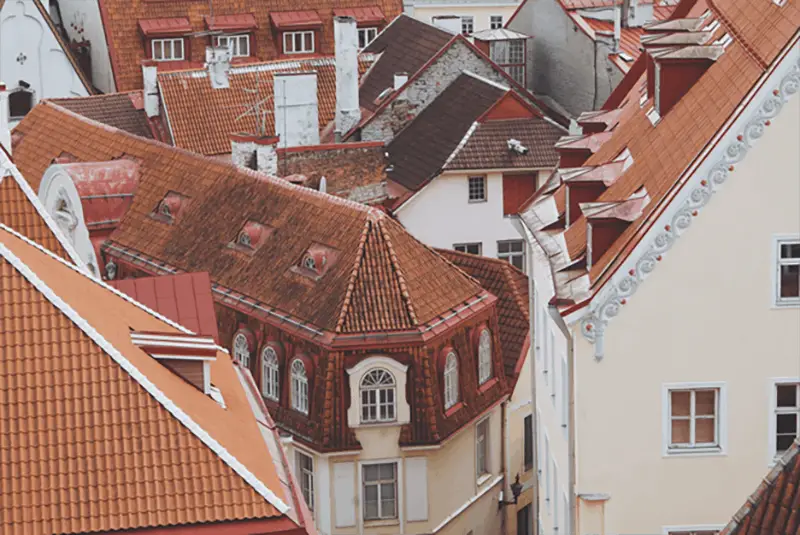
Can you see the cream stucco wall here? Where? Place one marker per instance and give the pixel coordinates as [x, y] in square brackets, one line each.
[479, 12]
[703, 315]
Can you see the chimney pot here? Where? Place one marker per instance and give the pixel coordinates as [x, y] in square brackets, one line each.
[267, 154]
[348, 109]
[152, 101]
[243, 150]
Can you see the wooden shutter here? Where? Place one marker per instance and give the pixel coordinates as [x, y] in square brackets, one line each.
[344, 494]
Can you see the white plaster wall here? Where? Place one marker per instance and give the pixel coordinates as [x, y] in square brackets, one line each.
[704, 314]
[29, 51]
[82, 21]
[479, 12]
[441, 215]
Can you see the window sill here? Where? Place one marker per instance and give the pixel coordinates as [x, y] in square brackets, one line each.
[379, 523]
[487, 385]
[454, 409]
[696, 452]
[370, 425]
[779, 305]
[483, 479]
[477, 201]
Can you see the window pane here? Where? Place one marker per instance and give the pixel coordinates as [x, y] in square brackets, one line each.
[784, 442]
[371, 472]
[370, 510]
[309, 46]
[371, 493]
[386, 471]
[790, 281]
[787, 424]
[790, 250]
[516, 261]
[388, 508]
[387, 491]
[704, 431]
[680, 431]
[178, 44]
[787, 395]
[704, 402]
[680, 403]
[157, 50]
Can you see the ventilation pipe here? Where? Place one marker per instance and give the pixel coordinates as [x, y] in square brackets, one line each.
[267, 154]
[218, 64]
[348, 110]
[152, 101]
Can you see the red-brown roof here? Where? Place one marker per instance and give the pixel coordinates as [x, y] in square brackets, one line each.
[121, 110]
[294, 20]
[240, 21]
[127, 48]
[185, 299]
[168, 26]
[201, 118]
[363, 15]
[130, 445]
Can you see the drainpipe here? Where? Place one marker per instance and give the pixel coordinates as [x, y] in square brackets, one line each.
[554, 313]
[504, 461]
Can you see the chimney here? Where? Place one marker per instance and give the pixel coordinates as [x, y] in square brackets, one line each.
[150, 78]
[677, 70]
[267, 154]
[296, 110]
[218, 63]
[400, 79]
[348, 110]
[626, 12]
[323, 185]
[243, 150]
[450, 23]
[617, 26]
[5, 128]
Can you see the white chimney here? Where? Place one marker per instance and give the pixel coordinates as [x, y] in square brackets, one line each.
[400, 78]
[243, 150]
[150, 79]
[267, 155]
[323, 185]
[450, 23]
[218, 63]
[296, 109]
[5, 129]
[617, 26]
[348, 110]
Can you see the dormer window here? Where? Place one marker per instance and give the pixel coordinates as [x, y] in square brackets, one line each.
[167, 49]
[298, 42]
[484, 356]
[251, 236]
[239, 44]
[316, 261]
[243, 343]
[378, 395]
[166, 37]
[310, 262]
[299, 386]
[169, 208]
[296, 30]
[366, 36]
[451, 394]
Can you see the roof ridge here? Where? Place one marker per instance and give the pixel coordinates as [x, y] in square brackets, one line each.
[486, 80]
[351, 284]
[143, 381]
[401, 278]
[265, 66]
[508, 272]
[748, 48]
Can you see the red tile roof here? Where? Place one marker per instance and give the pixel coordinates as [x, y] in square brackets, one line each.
[590, 4]
[121, 110]
[121, 425]
[363, 15]
[185, 299]
[201, 118]
[127, 48]
[159, 27]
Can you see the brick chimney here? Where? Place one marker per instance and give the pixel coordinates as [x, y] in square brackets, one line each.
[296, 109]
[152, 101]
[243, 150]
[5, 128]
[348, 110]
[267, 154]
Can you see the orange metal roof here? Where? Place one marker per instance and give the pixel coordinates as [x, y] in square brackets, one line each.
[99, 436]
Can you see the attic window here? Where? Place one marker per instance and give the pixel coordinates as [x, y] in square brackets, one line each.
[188, 356]
[170, 207]
[251, 236]
[316, 261]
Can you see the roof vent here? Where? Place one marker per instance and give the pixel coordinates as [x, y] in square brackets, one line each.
[250, 237]
[606, 221]
[170, 207]
[677, 70]
[575, 150]
[316, 261]
[188, 356]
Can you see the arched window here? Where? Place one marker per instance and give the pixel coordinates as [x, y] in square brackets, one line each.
[378, 397]
[299, 387]
[270, 377]
[450, 380]
[485, 357]
[241, 349]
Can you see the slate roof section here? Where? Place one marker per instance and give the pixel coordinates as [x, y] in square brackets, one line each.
[380, 278]
[774, 507]
[121, 425]
[119, 110]
[487, 146]
[405, 45]
[185, 299]
[420, 150]
[201, 118]
[127, 48]
[510, 286]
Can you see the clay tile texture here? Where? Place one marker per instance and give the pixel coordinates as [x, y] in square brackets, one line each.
[67, 396]
[202, 118]
[128, 47]
[120, 110]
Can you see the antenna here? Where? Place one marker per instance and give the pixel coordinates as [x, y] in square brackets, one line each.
[257, 108]
[206, 33]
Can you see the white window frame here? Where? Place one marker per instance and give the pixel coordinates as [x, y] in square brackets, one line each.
[484, 356]
[483, 450]
[240, 343]
[366, 35]
[286, 35]
[377, 389]
[721, 415]
[667, 530]
[467, 20]
[772, 454]
[462, 247]
[163, 42]
[299, 388]
[397, 491]
[270, 374]
[305, 478]
[777, 241]
[508, 256]
[485, 187]
[234, 43]
[492, 22]
[451, 386]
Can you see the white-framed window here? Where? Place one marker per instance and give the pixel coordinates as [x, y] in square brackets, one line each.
[471, 248]
[477, 188]
[694, 419]
[378, 397]
[299, 386]
[482, 448]
[485, 356]
[513, 251]
[241, 349]
[270, 373]
[467, 24]
[527, 443]
[298, 42]
[450, 380]
[784, 415]
[786, 274]
[366, 36]
[305, 474]
[380, 491]
[239, 45]
[167, 49]
[495, 22]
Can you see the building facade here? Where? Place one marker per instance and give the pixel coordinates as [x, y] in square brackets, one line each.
[474, 15]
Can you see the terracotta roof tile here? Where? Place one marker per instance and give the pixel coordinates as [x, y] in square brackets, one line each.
[127, 48]
[201, 117]
[119, 110]
[115, 456]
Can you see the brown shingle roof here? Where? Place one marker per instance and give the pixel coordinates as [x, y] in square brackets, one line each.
[116, 454]
[487, 146]
[127, 47]
[420, 150]
[121, 110]
[201, 117]
[405, 46]
[774, 508]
